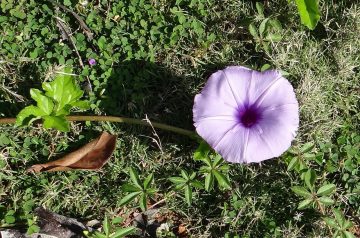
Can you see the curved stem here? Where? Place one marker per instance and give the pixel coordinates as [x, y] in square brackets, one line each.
[127, 120]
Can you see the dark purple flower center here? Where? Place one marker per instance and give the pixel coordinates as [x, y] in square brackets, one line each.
[249, 116]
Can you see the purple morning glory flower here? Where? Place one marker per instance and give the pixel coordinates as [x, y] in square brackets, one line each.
[245, 115]
[92, 62]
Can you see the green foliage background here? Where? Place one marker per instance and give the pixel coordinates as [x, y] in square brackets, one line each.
[152, 58]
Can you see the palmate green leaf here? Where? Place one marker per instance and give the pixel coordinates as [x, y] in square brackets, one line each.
[309, 12]
[121, 232]
[301, 191]
[188, 195]
[128, 198]
[222, 180]
[56, 122]
[43, 102]
[326, 189]
[26, 115]
[63, 89]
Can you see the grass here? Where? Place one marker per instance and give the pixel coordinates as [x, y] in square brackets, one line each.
[157, 73]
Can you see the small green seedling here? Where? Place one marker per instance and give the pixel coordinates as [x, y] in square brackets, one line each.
[186, 182]
[54, 103]
[139, 189]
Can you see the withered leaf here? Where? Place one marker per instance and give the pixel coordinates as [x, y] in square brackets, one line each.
[91, 156]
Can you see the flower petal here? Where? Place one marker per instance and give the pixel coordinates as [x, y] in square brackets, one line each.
[217, 119]
[213, 131]
[272, 89]
[275, 130]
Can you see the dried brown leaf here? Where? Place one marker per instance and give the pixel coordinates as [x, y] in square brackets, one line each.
[91, 156]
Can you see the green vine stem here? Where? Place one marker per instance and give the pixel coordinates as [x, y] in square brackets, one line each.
[127, 120]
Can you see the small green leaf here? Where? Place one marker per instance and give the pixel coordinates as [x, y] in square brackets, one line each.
[83, 105]
[117, 220]
[209, 181]
[348, 224]
[130, 188]
[25, 115]
[217, 160]
[9, 219]
[128, 198]
[262, 27]
[188, 195]
[309, 12]
[305, 203]
[142, 202]
[331, 222]
[301, 191]
[307, 147]
[197, 184]
[56, 122]
[348, 234]
[135, 177]
[63, 89]
[43, 102]
[185, 174]
[148, 180]
[202, 151]
[294, 161]
[222, 180]
[339, 217]
[123, 232]
[265, 67]
[326, 189]
[253, 31]
[326, 200]
[310, 177]
[273, 37]
[106, 226]
[99, 235]
[260, 8]
[192, 176]
[177, 180]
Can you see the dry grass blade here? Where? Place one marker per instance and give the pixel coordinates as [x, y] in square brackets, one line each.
[91, 156]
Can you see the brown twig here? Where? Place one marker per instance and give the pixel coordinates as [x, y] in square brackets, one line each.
[65, 29]
[83, 26]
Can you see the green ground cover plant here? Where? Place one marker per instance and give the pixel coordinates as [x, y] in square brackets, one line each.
[147, 60]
